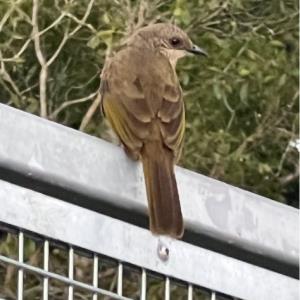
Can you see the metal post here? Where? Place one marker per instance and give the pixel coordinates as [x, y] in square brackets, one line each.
[143, 285]
[21, 260]
[167, 288]
[46, 268]
[120, 279]
[95, 275]
[71, 272]
[190, 292]
[213, 296]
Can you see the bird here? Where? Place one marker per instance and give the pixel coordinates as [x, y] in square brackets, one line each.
[141, 98]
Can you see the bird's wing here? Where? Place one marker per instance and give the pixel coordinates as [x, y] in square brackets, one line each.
[140, 89]
[172, 118]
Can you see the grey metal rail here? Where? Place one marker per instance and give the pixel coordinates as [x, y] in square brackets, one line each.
[127, 243]
[84, 170]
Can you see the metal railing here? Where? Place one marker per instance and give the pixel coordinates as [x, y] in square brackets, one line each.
[65, 188]
[93, 288]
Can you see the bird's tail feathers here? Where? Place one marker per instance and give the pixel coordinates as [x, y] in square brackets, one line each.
[162, 193]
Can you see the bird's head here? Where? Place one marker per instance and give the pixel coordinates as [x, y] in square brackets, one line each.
[169, 39]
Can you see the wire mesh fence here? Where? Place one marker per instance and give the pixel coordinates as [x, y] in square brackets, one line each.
[33, 267]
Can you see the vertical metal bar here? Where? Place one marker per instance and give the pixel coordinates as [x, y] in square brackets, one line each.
[213, 296]
[143, 285]
[21, 260]
[46, 268]
[71, 272]
[95, 275]
[167, 288]
[120, 279]
[190, 292]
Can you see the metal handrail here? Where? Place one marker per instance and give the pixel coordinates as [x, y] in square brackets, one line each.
[94, 174]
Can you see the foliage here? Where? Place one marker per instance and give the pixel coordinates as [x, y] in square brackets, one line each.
[242, 108]
[242, 102]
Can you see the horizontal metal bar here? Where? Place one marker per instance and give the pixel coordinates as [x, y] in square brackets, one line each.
[71, 282]
[125, 242]
[92, 173]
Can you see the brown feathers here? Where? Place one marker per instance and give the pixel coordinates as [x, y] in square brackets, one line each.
[142, 99]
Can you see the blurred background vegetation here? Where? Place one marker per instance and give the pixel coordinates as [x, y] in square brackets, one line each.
[242, 102]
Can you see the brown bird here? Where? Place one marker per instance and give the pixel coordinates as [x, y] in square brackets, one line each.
[142, 100]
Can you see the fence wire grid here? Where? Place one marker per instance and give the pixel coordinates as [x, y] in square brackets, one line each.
[33, 267]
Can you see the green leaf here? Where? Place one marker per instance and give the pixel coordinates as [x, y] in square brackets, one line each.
[251, 54]
[106, 19]
[106, 36]
[277, 44]
[269, 78]
[282, 80]
[244, 92]
[185, 78]
[223, 149]
[94, 42]
[264, 168]
[244, 72]
[217, 91]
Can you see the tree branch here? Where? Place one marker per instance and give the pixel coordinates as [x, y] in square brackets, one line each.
[89, 114]
[71, 102]
[41, 59]
[290, 177]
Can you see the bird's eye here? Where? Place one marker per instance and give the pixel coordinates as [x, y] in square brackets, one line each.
[175, 41]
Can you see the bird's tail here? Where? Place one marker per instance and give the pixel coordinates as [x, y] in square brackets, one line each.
[162, 193]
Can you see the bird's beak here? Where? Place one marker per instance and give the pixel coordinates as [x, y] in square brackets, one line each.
[197, 50]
